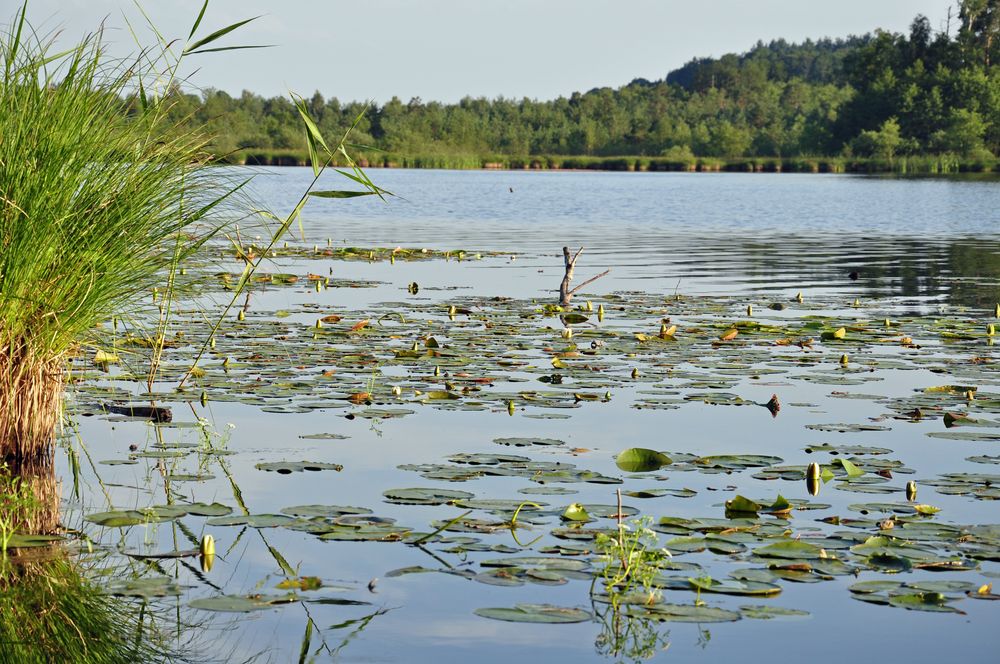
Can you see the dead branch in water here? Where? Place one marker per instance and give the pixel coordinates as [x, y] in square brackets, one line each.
[565, 292]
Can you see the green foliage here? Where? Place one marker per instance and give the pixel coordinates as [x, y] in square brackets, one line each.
[49, 613]
[778, 100]
[101, 191]
[631, 560]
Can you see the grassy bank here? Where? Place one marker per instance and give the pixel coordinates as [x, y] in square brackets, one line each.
[929, 164]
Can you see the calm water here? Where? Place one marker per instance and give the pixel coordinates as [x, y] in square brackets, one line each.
[919, 245]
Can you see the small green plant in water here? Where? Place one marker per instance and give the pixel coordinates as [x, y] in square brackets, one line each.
[631, 560]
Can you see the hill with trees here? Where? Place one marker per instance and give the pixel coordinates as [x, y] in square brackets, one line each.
[927, 98]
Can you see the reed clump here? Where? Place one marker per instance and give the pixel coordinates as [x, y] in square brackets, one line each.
[100, 193]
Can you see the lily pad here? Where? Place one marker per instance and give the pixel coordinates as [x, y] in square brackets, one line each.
[535, 613]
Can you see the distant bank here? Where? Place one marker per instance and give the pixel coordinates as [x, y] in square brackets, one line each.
[930, 165]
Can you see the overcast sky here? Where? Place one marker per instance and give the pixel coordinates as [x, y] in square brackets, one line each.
[446, 49]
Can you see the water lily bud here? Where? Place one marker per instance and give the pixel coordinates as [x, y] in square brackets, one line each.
[371, 255]
[437, 371]
[479, 256]
[799, 298]
[911, 490]
[991, 330]
[204, 398]
[888, 323]
[315, 248]
[970, 395]
[241, 315]
[607, 395]
[319, 324]
[225, 362]
[319, 286]
[207, 562]
[635, 372]
[329, 242]
[208, 545]
[415, 346]
[183, 271]
[510, 408]
[396, 390]
[156, 292]
[996, 312]
[567, 333]
[600, 313]
[857, 302]
[392, 259]
[844, 359]
[211, 342]
[812, 470]
[589, 306]
[749, 310]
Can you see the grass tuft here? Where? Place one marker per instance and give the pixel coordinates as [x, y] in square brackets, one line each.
[100, 193]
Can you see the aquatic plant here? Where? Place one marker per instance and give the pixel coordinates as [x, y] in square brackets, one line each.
[51, 613]
[99, 193]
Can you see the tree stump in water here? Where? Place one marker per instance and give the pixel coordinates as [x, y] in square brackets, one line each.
[565, 292]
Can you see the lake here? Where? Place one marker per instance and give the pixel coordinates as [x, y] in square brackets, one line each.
[496, 401]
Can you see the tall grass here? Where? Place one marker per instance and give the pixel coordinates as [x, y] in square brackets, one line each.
[50, 613]
[99, 193]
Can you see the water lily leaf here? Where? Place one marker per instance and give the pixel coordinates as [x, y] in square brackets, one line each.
[848, 466]
[425, 496]
[147, 588]
[253, 520]
[766, 612]
[241, 603]
[203, 509]
[791, 549]
[536, 613]
[687, 613]
[929, 601]
[288, 467]
[331, 511]
[525, 442]
[874, 586]
[641, 459]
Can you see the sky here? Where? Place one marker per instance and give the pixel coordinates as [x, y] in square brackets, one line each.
[444, 50]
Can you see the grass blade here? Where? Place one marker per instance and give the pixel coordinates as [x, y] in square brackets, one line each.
[216, 35]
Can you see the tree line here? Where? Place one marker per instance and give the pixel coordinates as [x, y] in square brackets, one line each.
[882, 95]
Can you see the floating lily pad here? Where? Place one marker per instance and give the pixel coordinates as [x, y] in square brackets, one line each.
[288, 467]
[425, 496]
[766, 612]
[536, 613]
[641, 459]
[241, 603]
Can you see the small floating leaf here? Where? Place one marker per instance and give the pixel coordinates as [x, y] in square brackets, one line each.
[535, 613]
[641, 459]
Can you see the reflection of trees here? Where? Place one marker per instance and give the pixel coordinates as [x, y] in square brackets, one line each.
[963, 271]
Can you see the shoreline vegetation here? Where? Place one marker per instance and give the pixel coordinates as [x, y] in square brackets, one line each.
[924, 102]
[915, 165]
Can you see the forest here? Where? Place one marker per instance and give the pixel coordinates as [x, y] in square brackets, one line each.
[880, 97]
